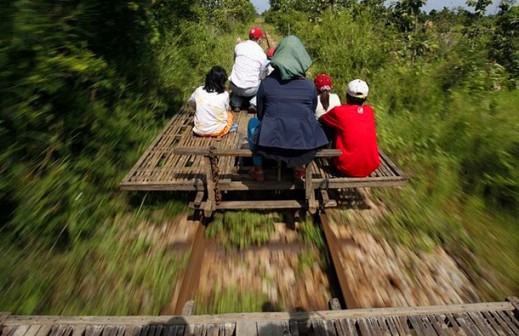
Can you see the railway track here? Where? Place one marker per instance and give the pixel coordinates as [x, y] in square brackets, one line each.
[202, 248]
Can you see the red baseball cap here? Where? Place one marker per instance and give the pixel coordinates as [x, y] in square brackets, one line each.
[323, 82]
[256, 33]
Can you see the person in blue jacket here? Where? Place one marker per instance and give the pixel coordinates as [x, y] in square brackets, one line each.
[285, 128]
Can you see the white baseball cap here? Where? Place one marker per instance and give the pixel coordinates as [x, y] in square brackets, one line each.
[358, 88]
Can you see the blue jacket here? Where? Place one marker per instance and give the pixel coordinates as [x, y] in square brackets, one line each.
[286, 110]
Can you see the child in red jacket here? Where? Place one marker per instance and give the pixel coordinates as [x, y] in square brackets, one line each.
[355, 135]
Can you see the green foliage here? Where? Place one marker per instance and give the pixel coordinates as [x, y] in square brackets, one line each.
[67, 114]
[336, 48]
[311, 233]
[225, 14]
[120, 271]
[445, 114]
[232, 300]
[288, 21]
[241, 229]
[85, 85]
[479, 6]
[505, 41]
[404, 14]
[488, 159]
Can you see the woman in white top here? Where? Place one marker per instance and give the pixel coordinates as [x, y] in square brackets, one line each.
[211, 102]
[325, 100]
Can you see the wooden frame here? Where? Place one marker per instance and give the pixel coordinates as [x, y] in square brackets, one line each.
[178, 160]
[492, 318]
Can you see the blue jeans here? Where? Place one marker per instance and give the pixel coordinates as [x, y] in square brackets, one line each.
[254, 123]
[240, 96]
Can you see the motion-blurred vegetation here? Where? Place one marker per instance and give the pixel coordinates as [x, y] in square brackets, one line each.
[241, 229]
[85, 85]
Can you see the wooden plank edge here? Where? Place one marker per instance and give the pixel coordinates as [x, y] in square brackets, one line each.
[391, 164]
[242, 152]
[331, 240]
[153, 144]
[335, 183]
[515, 302]
[279, 316]
[259, 204]
[4, 316]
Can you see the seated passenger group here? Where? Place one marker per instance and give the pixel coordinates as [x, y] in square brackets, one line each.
[291, 110]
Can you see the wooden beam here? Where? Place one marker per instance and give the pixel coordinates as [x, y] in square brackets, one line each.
[334, 304]
[3, 317]
[263, 204]
[198, 199]
[189, 308]
[309, 190]
[191, 278]
[242, 152]
[211, 201]
[514, 301]
[14, 320]
[334, 248]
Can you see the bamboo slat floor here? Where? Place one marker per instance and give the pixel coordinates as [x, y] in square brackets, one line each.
[178, 160]
[160, 168]
[496, 318]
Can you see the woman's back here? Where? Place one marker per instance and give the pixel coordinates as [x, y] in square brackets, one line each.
[286, 109]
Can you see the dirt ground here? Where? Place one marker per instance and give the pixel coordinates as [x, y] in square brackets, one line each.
[288, 275]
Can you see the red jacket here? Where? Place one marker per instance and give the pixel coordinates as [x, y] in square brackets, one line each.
[355, 135]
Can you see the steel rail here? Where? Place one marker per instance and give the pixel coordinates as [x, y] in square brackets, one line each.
[334, 250]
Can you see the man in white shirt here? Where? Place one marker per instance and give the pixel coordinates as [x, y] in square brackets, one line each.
[250, 66]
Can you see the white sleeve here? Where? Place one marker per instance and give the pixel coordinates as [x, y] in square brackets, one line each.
[264, 70]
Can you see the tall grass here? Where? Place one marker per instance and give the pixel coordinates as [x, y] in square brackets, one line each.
[449, 121]
[118, 271]
[66, 232]
[446, 117]
[241, 229]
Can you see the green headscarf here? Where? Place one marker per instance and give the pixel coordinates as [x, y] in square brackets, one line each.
[291, 58]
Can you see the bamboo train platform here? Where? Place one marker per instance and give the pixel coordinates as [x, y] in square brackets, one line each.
[495, 318]
[213, 168]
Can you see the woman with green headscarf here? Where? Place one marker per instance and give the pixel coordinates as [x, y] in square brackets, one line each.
[285, 128]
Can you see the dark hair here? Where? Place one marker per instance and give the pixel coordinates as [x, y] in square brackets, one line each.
[350, 100]
[325, 99]
[215, 79]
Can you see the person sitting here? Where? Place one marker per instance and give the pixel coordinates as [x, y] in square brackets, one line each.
[249, 68]
[355, 135]
[325, 99]
[285, 128]
[211, 103]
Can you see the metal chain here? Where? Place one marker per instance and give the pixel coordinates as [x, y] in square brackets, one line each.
[215, 171]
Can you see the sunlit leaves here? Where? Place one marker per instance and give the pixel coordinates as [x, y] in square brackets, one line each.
[479, 6]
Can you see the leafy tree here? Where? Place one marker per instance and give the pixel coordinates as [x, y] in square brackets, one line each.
[479, 6]
[225, 13]
[505, 41]
[74, 73]
[405, 14]
[311, 7]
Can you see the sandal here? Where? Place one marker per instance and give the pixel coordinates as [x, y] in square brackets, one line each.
[257, 175]
[299, 173]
